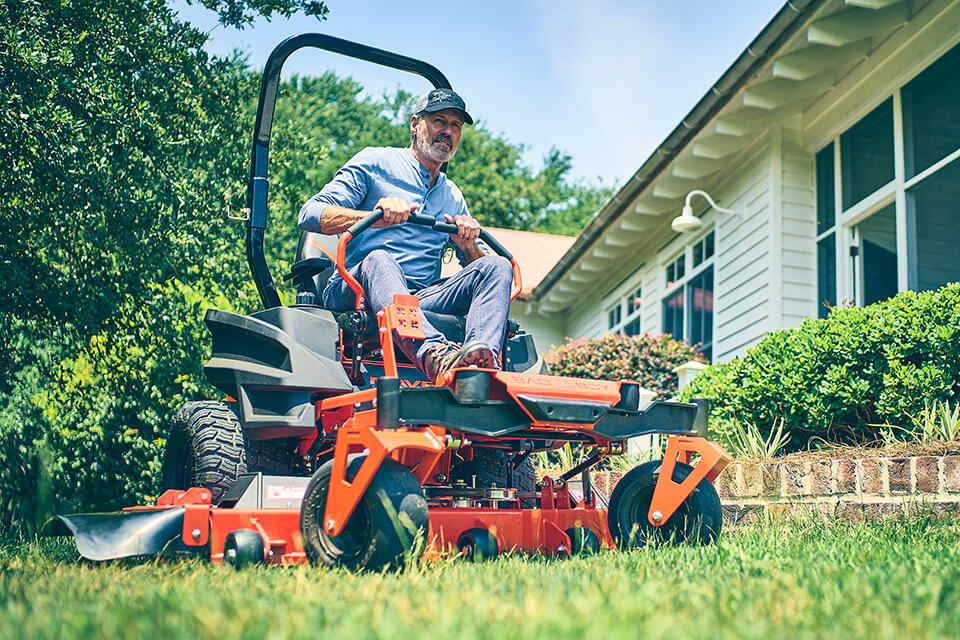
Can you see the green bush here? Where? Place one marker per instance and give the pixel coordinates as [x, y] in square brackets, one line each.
[845, 377]
[650, 360]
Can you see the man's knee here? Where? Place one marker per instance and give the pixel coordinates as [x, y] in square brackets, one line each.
[379, 258]
[497, 267]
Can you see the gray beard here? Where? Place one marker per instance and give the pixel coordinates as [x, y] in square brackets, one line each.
[434, 153]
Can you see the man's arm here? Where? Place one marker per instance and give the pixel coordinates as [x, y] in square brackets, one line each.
[335, 219]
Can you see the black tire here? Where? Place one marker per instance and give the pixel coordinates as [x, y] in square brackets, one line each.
[388, 527]
[243, 548]
[477, 545]
[583, 541]
[206, 448]
[697, 520]
[489, 467]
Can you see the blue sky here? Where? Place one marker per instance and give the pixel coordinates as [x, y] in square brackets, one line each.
[603, 80]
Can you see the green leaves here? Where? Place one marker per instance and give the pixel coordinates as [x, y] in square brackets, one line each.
[844, 377]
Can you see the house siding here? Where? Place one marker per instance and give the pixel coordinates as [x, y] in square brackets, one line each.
[798, 264]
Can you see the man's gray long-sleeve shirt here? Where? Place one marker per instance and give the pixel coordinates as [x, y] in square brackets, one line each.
[384, 172]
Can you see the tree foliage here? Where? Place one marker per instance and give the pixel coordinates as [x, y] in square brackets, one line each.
[124, 147]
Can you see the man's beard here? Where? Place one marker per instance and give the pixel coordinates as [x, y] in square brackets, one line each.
[437, 153]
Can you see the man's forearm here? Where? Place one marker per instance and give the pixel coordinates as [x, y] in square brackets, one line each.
[336, 219]
[471, 252]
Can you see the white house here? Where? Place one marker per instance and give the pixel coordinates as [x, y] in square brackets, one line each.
[835, 134]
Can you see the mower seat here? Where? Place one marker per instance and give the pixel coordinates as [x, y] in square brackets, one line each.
[318, 245]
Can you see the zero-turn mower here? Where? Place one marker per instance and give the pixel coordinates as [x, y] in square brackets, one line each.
[331, 448]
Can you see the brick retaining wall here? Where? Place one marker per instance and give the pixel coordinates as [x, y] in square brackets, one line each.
[849, 489]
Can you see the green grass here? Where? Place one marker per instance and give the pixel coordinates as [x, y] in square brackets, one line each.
[894, 580]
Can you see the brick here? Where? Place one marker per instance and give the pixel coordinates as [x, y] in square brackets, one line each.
[724, 483]
[927, 474]
[780, 510]
[951, 473]
[871, 476]
[880, 510]
[846, 476]
[601, 482]
[797, 478]
[741, 515]
[898, 470]
[821, 475]
[850, 512]
[770, 479]
[750, 484]
[613, 478]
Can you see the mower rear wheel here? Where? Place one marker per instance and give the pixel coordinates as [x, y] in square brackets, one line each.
[478, 545]
[243, 548]
[583, 541]
[387, 528]
[206, 448]
[697, 520]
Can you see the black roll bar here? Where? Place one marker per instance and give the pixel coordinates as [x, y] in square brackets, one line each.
[269, 84]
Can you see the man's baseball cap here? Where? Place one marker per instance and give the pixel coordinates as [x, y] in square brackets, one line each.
[440, 99]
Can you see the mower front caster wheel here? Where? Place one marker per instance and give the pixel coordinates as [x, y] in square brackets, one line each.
[697, 520]
[243, 548]
[477, 545]
[388, 526]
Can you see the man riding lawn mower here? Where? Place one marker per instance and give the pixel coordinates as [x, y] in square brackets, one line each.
[366, 424]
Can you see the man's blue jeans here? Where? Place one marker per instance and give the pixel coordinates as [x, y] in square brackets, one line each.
[480, 291]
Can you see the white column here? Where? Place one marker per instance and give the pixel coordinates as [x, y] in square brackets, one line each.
[687, 372]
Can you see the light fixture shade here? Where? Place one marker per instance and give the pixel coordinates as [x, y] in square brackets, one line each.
[686, 221]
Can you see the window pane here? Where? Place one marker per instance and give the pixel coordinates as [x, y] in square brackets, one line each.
[931, 113]
[708, 246]
[670, 278]
[632, 328]
[878, 243]
[934, 204]
[697, 254]
[613, 317]
[633, 301]
[673, 315]
[700, 291]
[866, 154]
[826, 275]
[826, 198]
[681, 269]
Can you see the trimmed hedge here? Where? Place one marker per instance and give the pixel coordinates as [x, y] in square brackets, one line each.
[845, 377]
[650, 360]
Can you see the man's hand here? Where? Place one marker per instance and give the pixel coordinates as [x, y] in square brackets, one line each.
[468, 230]
[395, 211]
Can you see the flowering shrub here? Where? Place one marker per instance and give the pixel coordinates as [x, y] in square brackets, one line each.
[647, 359]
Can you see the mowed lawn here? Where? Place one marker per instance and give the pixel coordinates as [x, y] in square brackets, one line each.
[894, 580]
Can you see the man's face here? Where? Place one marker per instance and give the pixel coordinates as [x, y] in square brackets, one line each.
[437, 134]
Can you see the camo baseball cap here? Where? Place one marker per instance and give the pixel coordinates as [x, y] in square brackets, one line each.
[440, 99]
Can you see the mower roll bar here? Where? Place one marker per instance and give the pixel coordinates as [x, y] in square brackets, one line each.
[415, 218]
[269, 84]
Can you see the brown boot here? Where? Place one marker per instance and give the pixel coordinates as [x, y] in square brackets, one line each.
[440, 359]
[476, 354]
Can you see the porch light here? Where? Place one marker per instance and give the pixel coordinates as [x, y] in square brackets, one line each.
[686, 221]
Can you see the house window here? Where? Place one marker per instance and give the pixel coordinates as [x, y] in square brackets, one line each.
[675, 270]
[897, 226]
[688, 305]
[866, 154]
[624, 316]
[700, 299]
[826, 233]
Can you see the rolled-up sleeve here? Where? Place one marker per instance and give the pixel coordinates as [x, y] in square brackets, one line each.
[347, 189]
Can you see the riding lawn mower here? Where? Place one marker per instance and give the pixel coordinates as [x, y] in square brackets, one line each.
[331, 448]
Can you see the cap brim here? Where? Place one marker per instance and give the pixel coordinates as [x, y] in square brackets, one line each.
[446, 105]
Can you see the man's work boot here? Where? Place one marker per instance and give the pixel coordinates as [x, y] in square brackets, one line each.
[449, 355]
[476, 354]
[440, 359]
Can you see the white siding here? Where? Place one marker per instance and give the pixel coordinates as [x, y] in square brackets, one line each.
[547, 330]
[742, 268]
[798, 267]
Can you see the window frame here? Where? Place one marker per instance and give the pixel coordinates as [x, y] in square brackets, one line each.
[680, 285]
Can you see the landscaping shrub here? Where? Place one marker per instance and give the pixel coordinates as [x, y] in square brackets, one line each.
[846, 377]
[650, 360]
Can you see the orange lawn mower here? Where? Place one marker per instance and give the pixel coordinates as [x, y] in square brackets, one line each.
[331, 448]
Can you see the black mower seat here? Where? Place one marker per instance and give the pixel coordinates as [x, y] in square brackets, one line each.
[317, 245]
